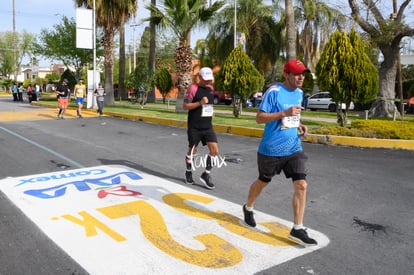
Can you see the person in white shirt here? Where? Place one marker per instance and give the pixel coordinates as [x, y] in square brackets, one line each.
[100, 98]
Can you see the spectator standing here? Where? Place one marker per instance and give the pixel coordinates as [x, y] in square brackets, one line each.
[63, 93]
[15, 92]
[80, 95]
[30, 93]
[280, 148]
[20, 92]
[37, 91]
[199, 103]
[100, 94]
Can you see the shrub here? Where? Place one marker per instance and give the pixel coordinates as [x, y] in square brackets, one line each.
[382, 129]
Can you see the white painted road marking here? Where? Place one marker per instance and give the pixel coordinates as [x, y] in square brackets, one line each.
[74, 163]
[117, 220]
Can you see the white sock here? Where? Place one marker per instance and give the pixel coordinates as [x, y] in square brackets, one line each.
[249, 208]
[298, 226]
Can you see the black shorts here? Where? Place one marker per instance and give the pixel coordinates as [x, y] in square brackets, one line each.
[293, 166]
[203, 135]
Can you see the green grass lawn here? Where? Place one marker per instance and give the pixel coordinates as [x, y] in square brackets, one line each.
[372, 128]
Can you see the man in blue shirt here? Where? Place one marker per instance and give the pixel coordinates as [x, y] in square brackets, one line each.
[280, 148]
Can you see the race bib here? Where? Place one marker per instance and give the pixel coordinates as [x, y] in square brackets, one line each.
[207, 110]
[291, 122]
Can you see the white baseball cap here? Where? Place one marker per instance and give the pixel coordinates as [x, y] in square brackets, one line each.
[206, 73]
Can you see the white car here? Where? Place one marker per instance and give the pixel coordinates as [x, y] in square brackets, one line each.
[323, 101]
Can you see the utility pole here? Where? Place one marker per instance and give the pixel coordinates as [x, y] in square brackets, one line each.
[134, 45]
[398, 64]
[14, 42]
[235, 24]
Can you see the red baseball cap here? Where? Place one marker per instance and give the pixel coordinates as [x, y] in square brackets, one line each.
[295, 67]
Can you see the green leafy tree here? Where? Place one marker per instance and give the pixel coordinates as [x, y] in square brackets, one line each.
[164, 57]
[408, 81]
[386, 32]
[346, 71]
[24, 42]
[52, 77]
[140, 79]
[239, 77]
[68, 75]
[6, 84]
[59, 44]
[162, 80]
[181, 16]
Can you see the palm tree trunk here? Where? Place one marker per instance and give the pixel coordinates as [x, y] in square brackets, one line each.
[183, 60]
[108, 43]
[290, 31]
[151, 59]
[121, 79]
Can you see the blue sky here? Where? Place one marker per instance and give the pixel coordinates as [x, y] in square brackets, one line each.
[35, 15]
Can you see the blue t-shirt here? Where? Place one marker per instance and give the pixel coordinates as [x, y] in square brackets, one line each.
[278, 141]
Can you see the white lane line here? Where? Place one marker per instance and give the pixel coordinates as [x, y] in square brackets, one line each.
[74, 163]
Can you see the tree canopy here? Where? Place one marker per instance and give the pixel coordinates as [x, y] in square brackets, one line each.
[59, 44]
[386, 32]
[162, 80]
[346, 71]
[24, 42]
[239, 77]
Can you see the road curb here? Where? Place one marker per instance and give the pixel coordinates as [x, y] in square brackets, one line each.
[311, 138]
[255, 132]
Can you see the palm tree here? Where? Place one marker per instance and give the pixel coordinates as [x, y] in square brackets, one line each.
[182, 16]
[262, 33]
[110, 15]
[319, 21]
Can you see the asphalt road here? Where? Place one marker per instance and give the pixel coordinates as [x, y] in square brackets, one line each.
[360, 198]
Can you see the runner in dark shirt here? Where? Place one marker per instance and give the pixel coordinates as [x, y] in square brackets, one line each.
[63, 93]
[199, 103]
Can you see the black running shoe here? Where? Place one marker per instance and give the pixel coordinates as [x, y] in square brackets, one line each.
[248, 217]
[189, 177]
[301, 236]
[206, 180]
